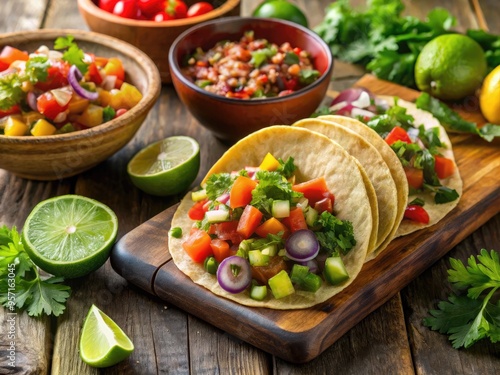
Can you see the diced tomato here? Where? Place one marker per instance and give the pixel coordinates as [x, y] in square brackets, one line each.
[227, 231]
[220, 249]
[444, 167]
[324, 205]
[249, 221]
[314, 190]
[241, 192]
[197, 246]
[415, 177]
[296, 220]
[271, 226]
[57, 76]
[416, 213]
[48, 106]
[197, 211]
[93, 74]
[397, 134]
[9, 55]
[11, 111]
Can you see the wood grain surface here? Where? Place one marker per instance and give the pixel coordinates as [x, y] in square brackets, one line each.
[390, 340]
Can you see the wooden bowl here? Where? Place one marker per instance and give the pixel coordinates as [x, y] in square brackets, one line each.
[154, 38]
[230, 119]
[58, 156]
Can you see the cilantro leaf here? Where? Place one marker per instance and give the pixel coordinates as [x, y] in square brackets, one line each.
[33, 293]
[73, 54]
[452, 121]
[11, 91]
[37, 69]
[286, 168]
[472, 317]
[335, 236]
[218, 184]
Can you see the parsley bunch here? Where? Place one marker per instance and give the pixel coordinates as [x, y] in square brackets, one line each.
[475, 315]
[21, 284]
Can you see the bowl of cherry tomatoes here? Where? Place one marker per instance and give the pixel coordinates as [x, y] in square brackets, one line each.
[152, 25]
[74, 98]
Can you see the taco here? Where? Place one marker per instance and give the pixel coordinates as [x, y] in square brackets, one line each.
[386, 194]
[253, 205]
[423, 152]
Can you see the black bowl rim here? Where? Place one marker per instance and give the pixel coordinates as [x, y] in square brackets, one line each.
[175, 68]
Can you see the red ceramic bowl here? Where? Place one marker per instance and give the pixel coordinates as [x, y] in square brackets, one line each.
[231, 119]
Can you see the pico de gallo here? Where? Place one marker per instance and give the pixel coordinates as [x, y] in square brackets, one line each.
[251, 68]
[418, 149]
[62, 90]
[259, 229]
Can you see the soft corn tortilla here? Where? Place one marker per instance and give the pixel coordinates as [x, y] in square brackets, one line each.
[386, 194]
[343, 178]
[436, 211]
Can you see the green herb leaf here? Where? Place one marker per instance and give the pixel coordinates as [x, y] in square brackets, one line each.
[218, 184]
[260, 56]
[336, 236]
[73, 54]
[11, 91]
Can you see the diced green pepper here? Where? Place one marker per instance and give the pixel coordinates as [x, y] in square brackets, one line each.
[281, 285]
[334, 271]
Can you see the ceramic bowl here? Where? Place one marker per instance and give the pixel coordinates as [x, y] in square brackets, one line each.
[58, 156]
[230, 119]
[154, 38]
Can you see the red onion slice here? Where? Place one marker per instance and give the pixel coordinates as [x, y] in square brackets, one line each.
[74, 77]
[234, 274]
[302, 245]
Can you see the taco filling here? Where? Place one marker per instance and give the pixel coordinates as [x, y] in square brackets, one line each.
[274, 233]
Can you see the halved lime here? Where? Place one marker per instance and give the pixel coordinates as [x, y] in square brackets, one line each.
[166, 167]
[70, 235]
[102, 342]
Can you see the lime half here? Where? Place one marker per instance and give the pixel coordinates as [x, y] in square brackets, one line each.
[102, 342]
[70, 235]
[166, 167]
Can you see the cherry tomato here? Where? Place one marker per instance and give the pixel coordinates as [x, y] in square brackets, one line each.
[107, 5]
[198, 9]
[163, 16]
[126, 9]
[177, 8]
[48, 106]
[416, 213]
[150, 8]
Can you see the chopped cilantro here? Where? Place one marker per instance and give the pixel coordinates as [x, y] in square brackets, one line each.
[37, 69]
[218, 184]
[260, 56]
[291, 58]
[336, 236]
[73, 54]
[307, 76]
[286, 168]
[11, 91]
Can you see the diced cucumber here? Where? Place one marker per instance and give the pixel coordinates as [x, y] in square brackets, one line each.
[311, 216]
[270, 250]
[281, 285]
[216, 216]
[256, 258]
[334, 271]
[244, 248]
[306, 280]
[298, 273]
[258, 292]
[199, 195]
[280, 209]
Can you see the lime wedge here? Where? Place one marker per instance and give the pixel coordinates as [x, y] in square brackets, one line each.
[70, 235]
[102, 342]
[166, 167]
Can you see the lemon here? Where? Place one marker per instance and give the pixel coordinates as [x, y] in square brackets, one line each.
[166, 167]
[489, 97]
[102, 342]
[70, 235]
[450, 67]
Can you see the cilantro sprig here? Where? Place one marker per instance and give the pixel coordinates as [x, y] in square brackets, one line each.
[21, 284]
[468, 318]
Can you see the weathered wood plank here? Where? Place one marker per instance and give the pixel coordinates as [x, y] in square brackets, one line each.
[18, 15]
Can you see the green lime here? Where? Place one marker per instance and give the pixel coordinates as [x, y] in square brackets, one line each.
[166, 167]
[450, 67]
[70, 235]
[280, 9]
[102, 342]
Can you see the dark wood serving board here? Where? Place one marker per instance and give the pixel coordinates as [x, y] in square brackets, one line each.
[142, 257]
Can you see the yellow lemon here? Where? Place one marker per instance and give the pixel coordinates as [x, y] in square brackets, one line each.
[489, 98]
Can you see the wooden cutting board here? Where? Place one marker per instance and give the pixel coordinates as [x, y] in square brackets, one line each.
[142, 257]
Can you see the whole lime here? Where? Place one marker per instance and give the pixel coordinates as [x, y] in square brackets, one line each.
[281, 9]
[450, 67]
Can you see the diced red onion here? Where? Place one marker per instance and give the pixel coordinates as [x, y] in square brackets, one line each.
[234, 274]
[108, 82]
[312, 264]
[363, 101]
[361, 112]
[302, 245]
[31, 99]
[62, 96]
[74, 77]
[224, 198]
[351, 95]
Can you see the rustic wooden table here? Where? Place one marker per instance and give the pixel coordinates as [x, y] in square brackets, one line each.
[391, 340]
